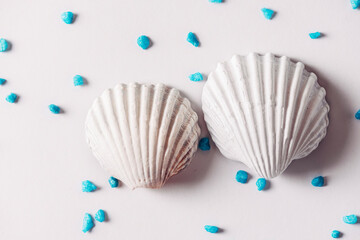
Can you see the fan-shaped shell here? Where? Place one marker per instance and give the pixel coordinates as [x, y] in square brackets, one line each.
[265, 111]
[142, 134]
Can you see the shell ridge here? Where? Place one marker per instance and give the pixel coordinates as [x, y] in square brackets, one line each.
[242, 70]
[282, 77]
[311, 134]
[114, 149]
[180, 141]
[311, 113]
[234, 69]
[291, 110]
[168, 107]
[300, 119]
[255, 89]
[120, 104]
[132, 114]
[227, 102]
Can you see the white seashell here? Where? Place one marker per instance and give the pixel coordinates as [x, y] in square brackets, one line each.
[142, 134]
[265, 111]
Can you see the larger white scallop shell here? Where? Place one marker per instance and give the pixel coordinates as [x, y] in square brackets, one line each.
[142, 134]
[265, 111]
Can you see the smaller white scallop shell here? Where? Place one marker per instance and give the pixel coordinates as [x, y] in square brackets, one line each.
[265, 111]
[142, 134]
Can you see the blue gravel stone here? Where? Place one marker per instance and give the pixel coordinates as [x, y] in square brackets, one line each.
[4, 45]
[100, 215]
[67, 17]
[350, 219]
[357, 115]
[78, 80]
[113, 182]
[355, 3]
[2, 81]
[191, 38]
[315, 35]
[88, 186]
[268, 13]
[261, 184]
[216, 1]
[335, 234]
[318, 181]
[242, 176]
[143, 42]
[204, 144]
[88, 223]
[211, 229]
[54, 109]
[196, 77]
[11, 98]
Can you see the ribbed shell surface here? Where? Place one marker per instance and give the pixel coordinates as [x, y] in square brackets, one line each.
[142, 134]
[264, 111]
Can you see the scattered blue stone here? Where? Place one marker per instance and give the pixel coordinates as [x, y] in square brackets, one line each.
[335, 234]
[350, 219]
[100, 215]
[2, 81]
[113, 182]
[355, 3]
[211, 229]
[78, 80]
[54, 109]
[191, 38]
[357, 115]
[318, 181]
[67, 17]
[11, 98]
[261, 184]
[88, 186]
[196, 77]
[315, 35]
[268, 13]
[242, 176]
[143, 42]
[4, 45]
[216, 1]
[88, 223]
[204, 144]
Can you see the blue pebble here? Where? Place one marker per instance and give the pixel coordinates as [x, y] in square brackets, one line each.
[54, 109]
[315, 35]
[88, 186]
[350, 219]
[11, 98]
[196, 77]
[268, 13]
[261, 184]
[113, 182]
[335, 234]
[191, 38]
[216, 1]
[318, 181]
[355, 3]
[88, 223]
[241, 176]
[78, 80]
[211, 229]
[143, 42]
[4, 45]
[67, 17]
[100, 215]
[2, 81]
[357, 115]
[204, 144]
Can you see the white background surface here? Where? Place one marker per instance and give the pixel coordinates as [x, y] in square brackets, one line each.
[44, 157]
